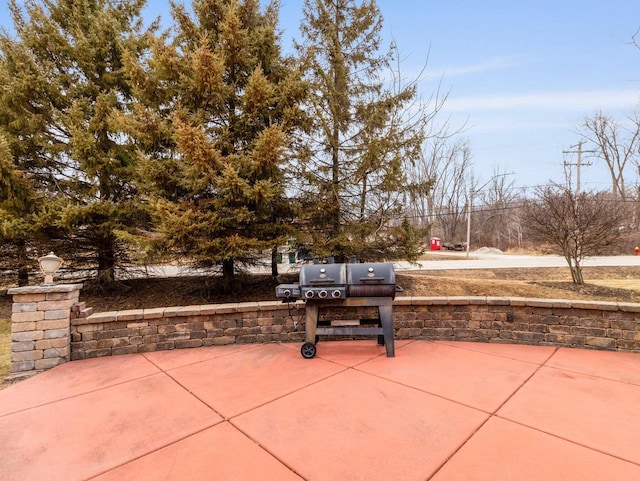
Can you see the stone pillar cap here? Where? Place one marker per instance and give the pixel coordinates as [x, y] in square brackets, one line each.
[44, 289]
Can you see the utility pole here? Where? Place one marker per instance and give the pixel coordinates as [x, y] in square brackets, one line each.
[579, 163]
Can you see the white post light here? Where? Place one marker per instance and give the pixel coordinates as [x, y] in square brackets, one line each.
[49, 265]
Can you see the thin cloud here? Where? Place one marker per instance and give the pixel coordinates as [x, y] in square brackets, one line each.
[498, 63]
[566, 101]
[501, 126]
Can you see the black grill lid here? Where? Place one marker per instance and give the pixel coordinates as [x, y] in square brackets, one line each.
[371, 273]
[323, 275]
[336, 281]
[371, 280]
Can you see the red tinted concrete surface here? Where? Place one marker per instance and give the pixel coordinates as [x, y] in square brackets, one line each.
[438, 410]
[357, 426]
[219, 453]
[503, 451]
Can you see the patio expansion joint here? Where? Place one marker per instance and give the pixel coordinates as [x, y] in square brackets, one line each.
[268, 451]
[457, 345]
[230, 420]
[591, 448]
[147, 356]
[492, 414]
[84, 393]
[351, 366]
[409, 386]
[544, 364]
[540, 366]
[289, 393]
[475, 408]
[159, 448]
[595, 376]
[195, 396]
[567, 440]
[225, 418]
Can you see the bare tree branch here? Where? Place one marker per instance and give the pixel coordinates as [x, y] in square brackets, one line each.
[578, 226]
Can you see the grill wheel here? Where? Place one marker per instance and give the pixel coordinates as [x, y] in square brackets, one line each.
[308, 350]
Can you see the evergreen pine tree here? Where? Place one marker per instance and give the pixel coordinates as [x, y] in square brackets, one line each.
[363, 132]
[17, 204]
[66, 89]
[218, 104]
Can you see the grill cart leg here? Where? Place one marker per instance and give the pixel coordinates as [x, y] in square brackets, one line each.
[386, 319]
[385, 332]
[311, 313]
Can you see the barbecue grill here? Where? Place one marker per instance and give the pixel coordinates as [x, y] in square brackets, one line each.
[336, 286]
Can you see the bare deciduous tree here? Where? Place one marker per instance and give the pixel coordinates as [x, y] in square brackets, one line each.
[447, 164]
[497, 221]
[579, 225]
[616, 143]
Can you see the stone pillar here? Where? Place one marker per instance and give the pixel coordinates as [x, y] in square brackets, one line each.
[40, 327]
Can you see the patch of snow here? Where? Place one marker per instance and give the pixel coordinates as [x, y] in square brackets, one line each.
[488, 250]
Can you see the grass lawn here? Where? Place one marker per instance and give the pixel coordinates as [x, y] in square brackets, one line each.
[5, 348]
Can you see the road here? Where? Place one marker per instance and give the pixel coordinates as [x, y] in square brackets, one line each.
[450, 260]
[480, 260]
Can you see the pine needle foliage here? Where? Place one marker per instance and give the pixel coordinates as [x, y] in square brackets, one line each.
[66, 88]
[217, 106]
[364, 131]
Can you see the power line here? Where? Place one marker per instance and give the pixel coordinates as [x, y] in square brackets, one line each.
[489, 209]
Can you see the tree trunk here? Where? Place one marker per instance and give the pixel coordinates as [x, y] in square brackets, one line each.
[274, 262]
[23, 264]
[576, 271]
[105, 245]
[228, 269]
[229, 282]
[363, 197]
[106, 265]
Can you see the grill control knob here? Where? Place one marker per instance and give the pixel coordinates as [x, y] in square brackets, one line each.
[322, 294]
[336, 294]
[308, 294]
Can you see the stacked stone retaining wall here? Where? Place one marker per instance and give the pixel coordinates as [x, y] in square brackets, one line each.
[548, 322]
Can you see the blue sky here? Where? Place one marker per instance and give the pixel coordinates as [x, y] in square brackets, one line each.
[522, 75]
[525, 74]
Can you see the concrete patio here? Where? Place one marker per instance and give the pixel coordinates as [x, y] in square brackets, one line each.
[437, 411]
